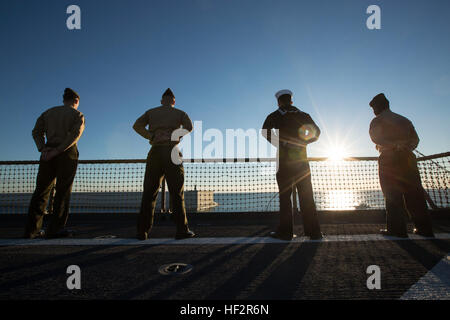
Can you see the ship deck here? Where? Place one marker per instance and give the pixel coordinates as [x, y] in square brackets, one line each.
[232, 257]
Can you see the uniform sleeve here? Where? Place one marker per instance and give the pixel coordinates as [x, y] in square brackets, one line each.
[74, 134]
[413, 138]
[186, 122]
[140, 126]
[267, 129]
[39, 132]
[375, 132]
[312, 127]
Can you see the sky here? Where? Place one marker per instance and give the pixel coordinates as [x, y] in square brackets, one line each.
[224, 60]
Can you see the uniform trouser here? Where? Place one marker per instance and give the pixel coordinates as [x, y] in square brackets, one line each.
[296, 174]
[160, 165]
[402, 188]
[61, 168]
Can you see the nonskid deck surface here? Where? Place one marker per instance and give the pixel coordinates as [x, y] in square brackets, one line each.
[232, 258]
[111, 240]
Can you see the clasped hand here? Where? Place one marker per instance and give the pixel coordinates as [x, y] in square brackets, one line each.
[48, 153]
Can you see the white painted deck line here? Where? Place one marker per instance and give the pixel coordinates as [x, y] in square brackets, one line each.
[207, 241]
[435, 285]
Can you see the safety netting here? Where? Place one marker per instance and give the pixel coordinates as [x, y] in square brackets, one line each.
[221, 185]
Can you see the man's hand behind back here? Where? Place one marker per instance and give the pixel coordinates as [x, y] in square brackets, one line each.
[48, 153]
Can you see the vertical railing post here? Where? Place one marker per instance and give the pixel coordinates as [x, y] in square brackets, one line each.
[163, 196]
[294, 199]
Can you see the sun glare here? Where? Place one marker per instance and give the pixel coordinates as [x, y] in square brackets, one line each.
[337, 153]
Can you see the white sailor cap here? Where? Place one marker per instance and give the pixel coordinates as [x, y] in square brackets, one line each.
[283, 92]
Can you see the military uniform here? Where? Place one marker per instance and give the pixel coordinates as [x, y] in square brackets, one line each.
[162, 121]
[395, 139]
[63, 127]
[296, 129]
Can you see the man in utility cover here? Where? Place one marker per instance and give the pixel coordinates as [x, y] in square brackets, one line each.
[63, 127]
[396, 138]
[166, 126]
[296, 130]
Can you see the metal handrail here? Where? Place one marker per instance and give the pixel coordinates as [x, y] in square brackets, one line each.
[223, 160]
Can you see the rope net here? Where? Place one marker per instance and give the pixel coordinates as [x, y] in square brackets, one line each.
[115, 186]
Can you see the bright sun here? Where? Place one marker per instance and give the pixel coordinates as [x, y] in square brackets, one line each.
[337, 152]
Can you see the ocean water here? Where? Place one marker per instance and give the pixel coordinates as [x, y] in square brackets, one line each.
[106, 202]
[124, 202]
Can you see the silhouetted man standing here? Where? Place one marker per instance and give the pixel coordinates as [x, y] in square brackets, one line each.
[164, 159]
[395, 139]
[63, 127]
[296, 130]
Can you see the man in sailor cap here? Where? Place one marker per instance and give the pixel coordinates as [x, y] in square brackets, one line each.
[295, 130]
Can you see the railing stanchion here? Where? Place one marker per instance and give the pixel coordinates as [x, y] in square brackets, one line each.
[163, 196]
[294, 199]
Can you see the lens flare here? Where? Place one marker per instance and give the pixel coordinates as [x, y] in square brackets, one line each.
[337, 153]
[307, 132]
